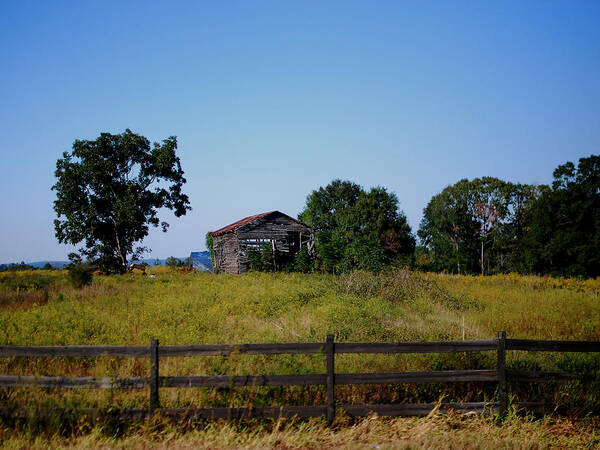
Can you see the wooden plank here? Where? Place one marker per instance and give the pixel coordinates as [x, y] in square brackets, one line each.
[74, 383]
[446, 376]
[417, 409]
[501, 364]
[153, 379]
[243, 380]
[251, 349]
[273, 412]
[330, 381]
[253, 380]
[552, 346]
[416, 347]
[542, 377]
[248, 349]
[175, 413]
[52, 413]
[74, 350]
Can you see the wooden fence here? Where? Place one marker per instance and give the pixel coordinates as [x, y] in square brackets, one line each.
[498, 375]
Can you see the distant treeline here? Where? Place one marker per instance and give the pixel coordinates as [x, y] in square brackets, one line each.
[16, 267]
[171, 261]
[482, 226]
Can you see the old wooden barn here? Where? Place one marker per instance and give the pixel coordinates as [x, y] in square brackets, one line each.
[283, 233]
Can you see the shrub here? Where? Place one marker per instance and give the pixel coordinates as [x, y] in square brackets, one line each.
[303, 262]
[254, 259]
[266, 258]
[80, 275]
[173, 262]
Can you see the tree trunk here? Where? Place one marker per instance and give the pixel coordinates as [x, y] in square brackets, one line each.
[457, 260]
[482, 266]
[122, 256]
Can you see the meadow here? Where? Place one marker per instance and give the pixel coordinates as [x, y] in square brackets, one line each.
[179, 307]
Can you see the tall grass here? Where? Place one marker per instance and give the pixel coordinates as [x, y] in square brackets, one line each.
[192, 308]
[436, 431]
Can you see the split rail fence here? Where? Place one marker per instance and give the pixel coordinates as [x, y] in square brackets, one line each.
[498, 375]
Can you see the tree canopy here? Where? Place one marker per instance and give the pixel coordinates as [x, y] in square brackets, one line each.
[109, 191]
[356, 229]
[563, 226]
[474, 226]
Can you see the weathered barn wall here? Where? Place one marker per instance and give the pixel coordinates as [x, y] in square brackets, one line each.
[226, 250]
[280, 231]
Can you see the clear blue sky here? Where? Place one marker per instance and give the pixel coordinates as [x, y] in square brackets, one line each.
[270, 100]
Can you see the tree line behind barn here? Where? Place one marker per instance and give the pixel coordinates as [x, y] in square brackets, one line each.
[109, 192]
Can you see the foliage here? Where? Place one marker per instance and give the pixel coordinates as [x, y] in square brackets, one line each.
[303, 261]
[210, 248]
[475, 226]
[109, 191]
[267, 258]
[563, 226]
[254, 259]
[399, 286]
[14, 267]
[24, 289]
[173, 262]
[80, 275]
[356, 229]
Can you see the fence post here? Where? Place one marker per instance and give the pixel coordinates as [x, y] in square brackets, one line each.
[154, 402]
[502, 395]
[330, 352]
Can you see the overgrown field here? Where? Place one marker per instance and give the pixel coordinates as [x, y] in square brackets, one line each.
[42, 308]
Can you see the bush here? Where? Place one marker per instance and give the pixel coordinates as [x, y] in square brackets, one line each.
[303, 262]
[254, 259]
[80, 275]
[264, 260]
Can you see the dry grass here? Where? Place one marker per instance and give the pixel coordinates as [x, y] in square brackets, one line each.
[435, 431]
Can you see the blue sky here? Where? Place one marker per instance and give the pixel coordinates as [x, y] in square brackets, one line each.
[270, 100]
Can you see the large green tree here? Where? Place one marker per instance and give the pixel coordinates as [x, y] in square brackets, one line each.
[109, 191]
[563, 227]
[474, 226]
[356, 229]
[448, 230]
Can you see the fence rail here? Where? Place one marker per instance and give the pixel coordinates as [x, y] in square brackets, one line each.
[251, 349]
[498, 375]
[552, 346]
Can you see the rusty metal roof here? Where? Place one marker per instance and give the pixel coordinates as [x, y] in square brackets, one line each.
[239, 223]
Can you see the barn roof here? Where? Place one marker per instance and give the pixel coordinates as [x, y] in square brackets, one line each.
[239, 223]
[249, 219]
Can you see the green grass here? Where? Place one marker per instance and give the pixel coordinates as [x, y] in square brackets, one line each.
[176, 307]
